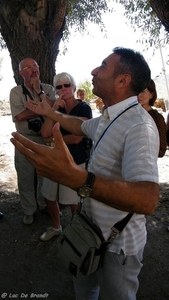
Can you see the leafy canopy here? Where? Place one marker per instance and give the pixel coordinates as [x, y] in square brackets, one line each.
[141, 15]
[81, 13]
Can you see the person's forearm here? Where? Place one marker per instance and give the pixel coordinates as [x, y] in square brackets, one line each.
[141, 197]
[135, 197]
[69, 123]
[72, 139]
[26, 115]
[49, 101]
[57, 164]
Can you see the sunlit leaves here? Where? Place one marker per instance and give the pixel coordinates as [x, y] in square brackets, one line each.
[140, 15]
[81, 13]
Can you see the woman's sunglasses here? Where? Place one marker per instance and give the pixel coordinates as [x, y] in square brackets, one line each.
[66, 85]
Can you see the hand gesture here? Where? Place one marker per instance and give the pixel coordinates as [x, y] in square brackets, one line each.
[55, 163]
[40, 108]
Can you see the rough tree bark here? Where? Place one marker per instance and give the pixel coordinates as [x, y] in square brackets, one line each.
[161, 8]
[33, 28]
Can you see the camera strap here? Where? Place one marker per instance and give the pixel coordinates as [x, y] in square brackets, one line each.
[26, 92]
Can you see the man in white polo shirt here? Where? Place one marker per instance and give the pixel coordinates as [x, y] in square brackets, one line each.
[122, 174]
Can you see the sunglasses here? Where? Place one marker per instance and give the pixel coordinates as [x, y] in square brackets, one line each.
[66, 85]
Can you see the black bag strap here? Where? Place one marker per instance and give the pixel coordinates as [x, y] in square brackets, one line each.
[26, 92]
[113, 122]
[119, 226]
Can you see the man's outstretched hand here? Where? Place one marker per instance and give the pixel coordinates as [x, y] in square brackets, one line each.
[40, 108]
[54, 163]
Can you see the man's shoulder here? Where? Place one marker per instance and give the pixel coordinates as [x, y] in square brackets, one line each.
[17, 89]
[49, 90]
[47, 86]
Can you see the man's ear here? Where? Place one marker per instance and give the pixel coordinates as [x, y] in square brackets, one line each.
[124, 80]
[21, 73]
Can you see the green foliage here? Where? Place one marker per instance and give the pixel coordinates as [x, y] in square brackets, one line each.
[88, 88]
[81, 13]
[141, 15]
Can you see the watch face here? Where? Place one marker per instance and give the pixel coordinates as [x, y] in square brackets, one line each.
[84, 191]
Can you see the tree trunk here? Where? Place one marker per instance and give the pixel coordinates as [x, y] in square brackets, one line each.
[33, 28]
[161, 8]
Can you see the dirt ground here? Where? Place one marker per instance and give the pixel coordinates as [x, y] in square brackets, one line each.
[30, 269]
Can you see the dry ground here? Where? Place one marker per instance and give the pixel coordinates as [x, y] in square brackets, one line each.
[30, 268]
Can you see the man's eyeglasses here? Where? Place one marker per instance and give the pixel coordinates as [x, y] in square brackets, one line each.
[30, 67]
[66, 85]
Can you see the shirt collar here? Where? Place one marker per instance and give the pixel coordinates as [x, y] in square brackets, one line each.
[114, 110]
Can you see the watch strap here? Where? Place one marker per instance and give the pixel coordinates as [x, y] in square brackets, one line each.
[41, 92]
[88, 185]
[90, 180]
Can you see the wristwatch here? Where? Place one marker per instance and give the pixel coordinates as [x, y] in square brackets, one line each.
[86, 190]
[41, 92]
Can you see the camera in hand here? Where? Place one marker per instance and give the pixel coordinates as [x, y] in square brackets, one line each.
[35, 125]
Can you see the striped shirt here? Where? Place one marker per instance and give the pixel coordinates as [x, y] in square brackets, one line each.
[128, 151]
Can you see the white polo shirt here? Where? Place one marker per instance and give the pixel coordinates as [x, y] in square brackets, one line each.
[127, 151]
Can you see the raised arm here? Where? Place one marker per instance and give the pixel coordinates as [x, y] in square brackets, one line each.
[57, 164]
[69, 123]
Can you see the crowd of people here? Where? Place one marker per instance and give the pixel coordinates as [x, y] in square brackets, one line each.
[121, 175]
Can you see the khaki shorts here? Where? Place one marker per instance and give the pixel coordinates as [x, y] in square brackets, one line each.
[64, 195]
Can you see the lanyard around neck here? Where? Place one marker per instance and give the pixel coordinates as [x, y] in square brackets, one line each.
[113, 122]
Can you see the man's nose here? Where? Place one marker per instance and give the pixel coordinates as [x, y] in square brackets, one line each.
[94, 71]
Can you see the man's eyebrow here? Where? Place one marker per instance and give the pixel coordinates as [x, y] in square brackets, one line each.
[104, 62]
